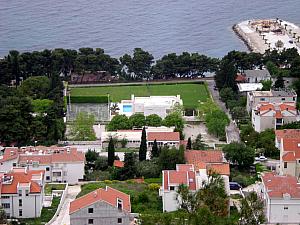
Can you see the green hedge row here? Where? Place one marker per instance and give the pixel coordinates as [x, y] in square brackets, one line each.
[89, 99]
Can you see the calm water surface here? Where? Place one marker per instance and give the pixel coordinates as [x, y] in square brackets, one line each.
[118, 26]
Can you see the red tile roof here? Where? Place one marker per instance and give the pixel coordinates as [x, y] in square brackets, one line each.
[185, 167]
[163, 136]
[278, 114]
[174, 178]
[240, 78]
[287, 133]
[108, 195]
[20, 177]
[209, 159]
[277, 186]
[289, 157]
[118, 163]
[286, 107]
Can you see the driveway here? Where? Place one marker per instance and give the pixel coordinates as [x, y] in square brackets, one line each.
[63, 217]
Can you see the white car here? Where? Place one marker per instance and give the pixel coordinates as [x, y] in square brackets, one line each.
[261, 158]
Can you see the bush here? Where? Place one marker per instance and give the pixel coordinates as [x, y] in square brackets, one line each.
[101, 163]
[153, 120]
[119, 122]
[148, 169]
[216, 121]
[153, 187]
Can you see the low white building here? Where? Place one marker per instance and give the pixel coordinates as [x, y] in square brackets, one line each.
[247, 87]
[160, 105]
[102, 206]
[273, 115]
[171, 139]
[256, 76]
[22, 192]
[61, 164]
[273, 96]
[193, 174]
[281, 195]
[133, 137]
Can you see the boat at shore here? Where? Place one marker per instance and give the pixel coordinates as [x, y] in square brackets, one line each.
[268, 34]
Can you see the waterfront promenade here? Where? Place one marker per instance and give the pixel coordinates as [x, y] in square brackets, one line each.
[261, 35]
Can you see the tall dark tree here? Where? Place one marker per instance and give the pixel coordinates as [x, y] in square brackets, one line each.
[199, 144]
[130, 169]
[143, 146]
[189, 144]
[154, 150]
[225, 76]
[14, 67]
[279, 83]
[111, 152]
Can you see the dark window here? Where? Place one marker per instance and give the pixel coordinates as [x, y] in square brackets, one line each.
[119, 220]
[172, 188]
[294, 98]
[298, 161]
[120, 204]
[5, 197]
[262, 99]
[47, 177]
[20, 212]
[27, 192]
[20, 192]
[6, 205]
[47, 168]
[285, 207]
[91, 210]
[90, 221]
[14, 164]
[20, 202]
[285, 165]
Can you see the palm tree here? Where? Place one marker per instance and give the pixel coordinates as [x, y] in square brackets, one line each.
[279, 44]
[114, 108]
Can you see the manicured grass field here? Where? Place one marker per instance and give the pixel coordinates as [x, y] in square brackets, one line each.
[190, 93]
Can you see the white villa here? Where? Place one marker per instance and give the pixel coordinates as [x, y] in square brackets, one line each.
[160, 105]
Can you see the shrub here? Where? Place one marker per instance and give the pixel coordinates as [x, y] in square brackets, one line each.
[89, 99]
[153, 187]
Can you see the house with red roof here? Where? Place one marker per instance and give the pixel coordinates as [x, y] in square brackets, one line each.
[193, 174]
[22, 192]
[288, 141]
[171, 139]
[102, 206]
[281, 195]
[61, 164]
[273, 115]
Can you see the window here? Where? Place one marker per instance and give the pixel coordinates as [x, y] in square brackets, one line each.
[91, 210]
[285, 165]
[119, 220]
[57, 174]
[5, 197]
[47, 177]
[90, 221]
[298, 161]
[6, 205]
[172, 188]
[262, 99]
[282, 99]
[20, 202]
[285, 207]
[47, 168]
[27, 192]
[120, 204]
[20, 212]
[20, 192]
[294, 98]
[14, 164]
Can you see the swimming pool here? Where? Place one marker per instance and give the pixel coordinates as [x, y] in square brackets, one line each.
[127, 108]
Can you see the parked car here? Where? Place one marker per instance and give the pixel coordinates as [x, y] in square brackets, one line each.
[261, 158]
[234, 186]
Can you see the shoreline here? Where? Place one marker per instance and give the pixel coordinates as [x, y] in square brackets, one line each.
[237, 31]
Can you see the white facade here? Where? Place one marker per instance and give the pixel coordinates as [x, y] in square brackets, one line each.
[256, 76]
[256, 97]
[160, 105]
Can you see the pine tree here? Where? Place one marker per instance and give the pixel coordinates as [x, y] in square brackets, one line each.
[155, 150]
[111, 152]
[143, 146]
[199, 144]
[189, 144]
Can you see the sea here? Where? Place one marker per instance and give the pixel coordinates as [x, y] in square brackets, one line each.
[119, 26]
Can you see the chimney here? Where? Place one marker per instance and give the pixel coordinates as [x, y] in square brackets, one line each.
[12, 152]
[95, 194]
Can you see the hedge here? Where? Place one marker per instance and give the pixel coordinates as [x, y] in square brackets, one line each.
[89, 99]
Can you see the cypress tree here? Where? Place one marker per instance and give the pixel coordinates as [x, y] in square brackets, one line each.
[189, 144]
[143, 146]
[111, 153]
[155, 151]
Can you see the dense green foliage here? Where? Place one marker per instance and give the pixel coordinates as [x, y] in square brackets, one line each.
[169, 157]
[89, 99]
[198, 143]
[119, 122]
[154, 150]
[153, 120]
[239, 154]
[82, 127]
[137, 120]
[216, 121]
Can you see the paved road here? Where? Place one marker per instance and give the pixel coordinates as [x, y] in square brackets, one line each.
[63, 217]
[232, 131]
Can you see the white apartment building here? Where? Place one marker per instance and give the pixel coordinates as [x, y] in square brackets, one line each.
[22, 192]
[273, 96]
[273, 115]
[61, 164]
[288, 141]
[199, 165]
[160, 105]
[281, 195]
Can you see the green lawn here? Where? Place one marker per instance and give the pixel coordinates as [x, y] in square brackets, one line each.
[143, 199]
[190, 93]
[50, 187]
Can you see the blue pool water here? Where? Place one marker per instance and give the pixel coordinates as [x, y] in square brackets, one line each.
[127, 108]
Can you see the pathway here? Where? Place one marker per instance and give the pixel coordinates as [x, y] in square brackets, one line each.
[63, 217]
[232, 131]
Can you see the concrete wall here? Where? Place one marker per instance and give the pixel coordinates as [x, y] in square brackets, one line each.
[170, 202]
[100, 111]
[103, 213]
[7, 165]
